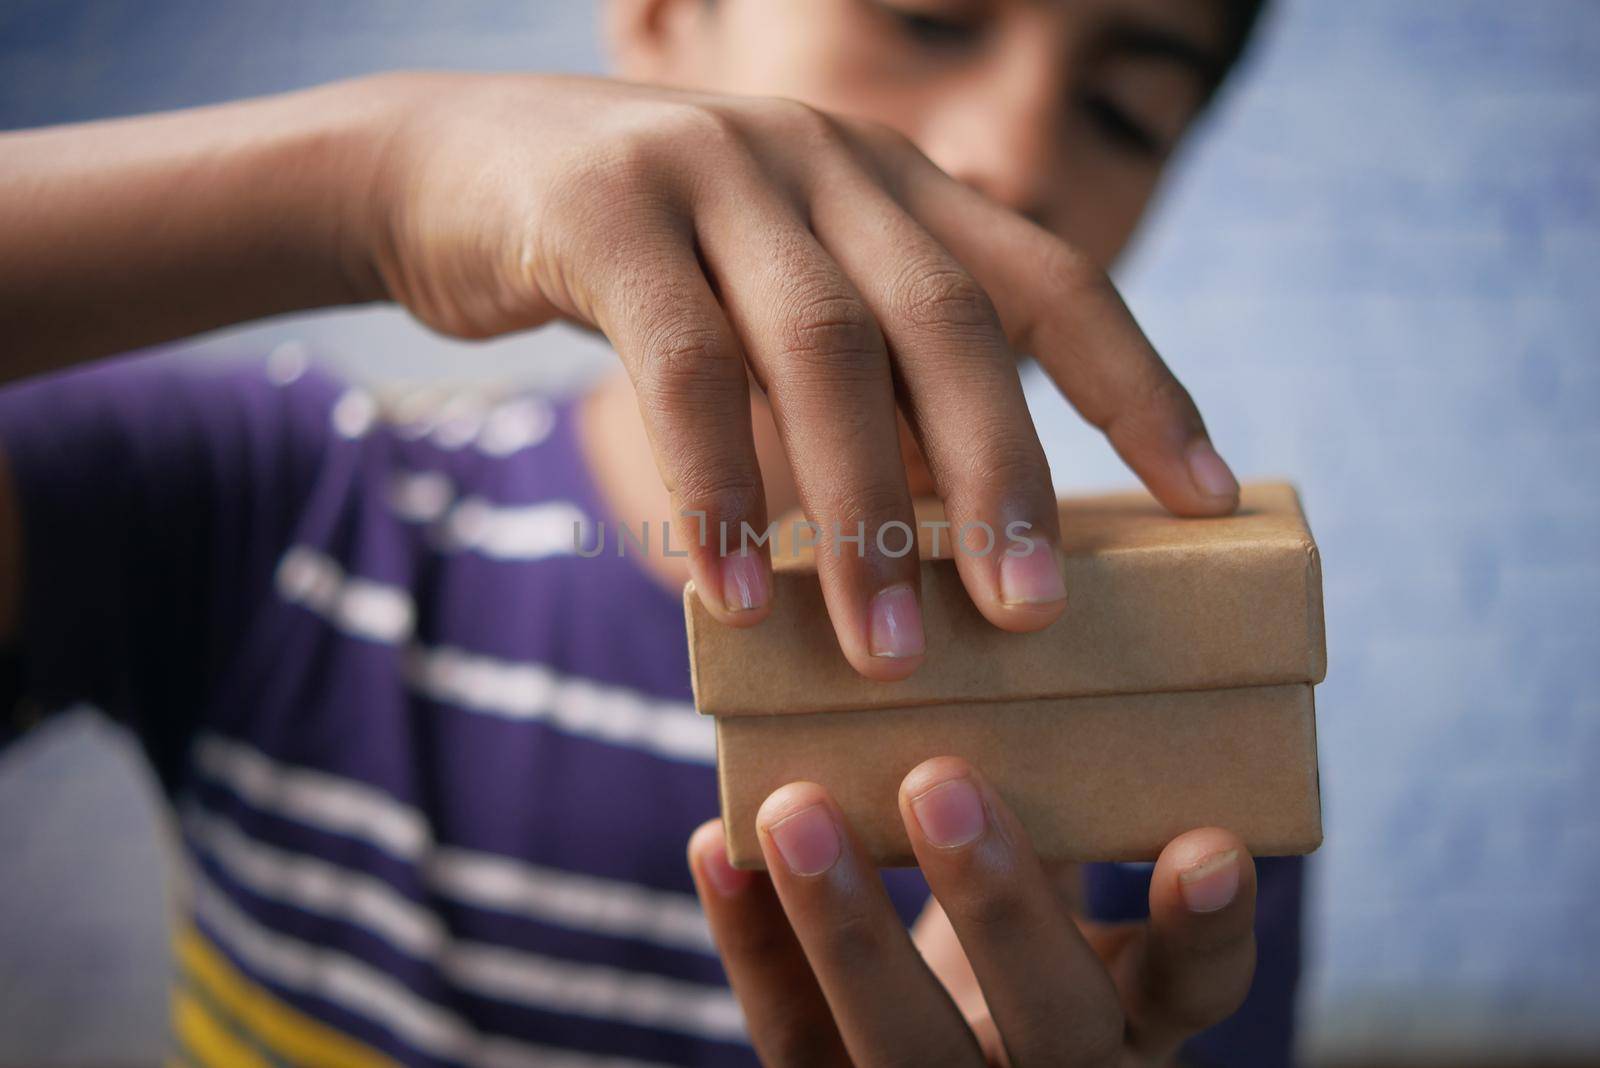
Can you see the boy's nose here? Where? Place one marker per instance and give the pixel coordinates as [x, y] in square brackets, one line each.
[1017, 187]
[1002, 135]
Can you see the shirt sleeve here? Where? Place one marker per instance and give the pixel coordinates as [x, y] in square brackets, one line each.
[155, 494]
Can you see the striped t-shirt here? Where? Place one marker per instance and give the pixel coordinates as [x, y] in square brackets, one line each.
[434, 771]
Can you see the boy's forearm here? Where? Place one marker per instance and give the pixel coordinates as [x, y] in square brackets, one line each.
[119, 234]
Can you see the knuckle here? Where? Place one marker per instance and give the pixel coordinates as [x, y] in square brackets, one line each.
[1157, 398]
[689, 375]
[753, 942]
[644, 147]
[990, 452]
[887, 152]
[1098, 1039]
[1069, 271]
[887, 138]
[795, 1040]
[944, 297]
[683, 362]
[875, 499]
[1006, 462]
[797, 118]
[1164, 394]
[833, 333]
[723, 491]
[871, 504]
[852, 940]
[993, 911]
[702, 125]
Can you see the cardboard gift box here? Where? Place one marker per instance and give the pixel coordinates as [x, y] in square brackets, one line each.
[1174, 692]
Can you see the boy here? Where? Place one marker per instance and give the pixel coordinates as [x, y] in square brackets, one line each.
[434, 768]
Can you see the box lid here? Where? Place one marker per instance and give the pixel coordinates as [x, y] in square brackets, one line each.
[1155, 604]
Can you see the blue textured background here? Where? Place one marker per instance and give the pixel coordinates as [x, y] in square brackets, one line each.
[1378, 274]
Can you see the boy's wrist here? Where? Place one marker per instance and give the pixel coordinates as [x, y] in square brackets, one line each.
[356, 148]
[330, 165]
[304, 205]
[185, 221]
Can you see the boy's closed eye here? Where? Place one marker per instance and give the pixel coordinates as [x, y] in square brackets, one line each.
[939, 24]
[1120, 128]
[1145, 85]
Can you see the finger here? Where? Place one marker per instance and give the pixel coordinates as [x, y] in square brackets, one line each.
[936, 941]
[788, 1018]
[1067, 877]
[816, 350]
[1199, 953]
[889, 1007]
[1048, 993]
[1063, 310]
[958, 383]
[688, 372]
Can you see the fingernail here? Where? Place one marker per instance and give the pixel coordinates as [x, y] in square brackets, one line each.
[896, 623]
[744, 582]
[723, 877]
[808, 841]
[1210, 473]
[950, 814]
[1033, 578]
[1211, 884]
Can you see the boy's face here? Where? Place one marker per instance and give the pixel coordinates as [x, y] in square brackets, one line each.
[1065, 110]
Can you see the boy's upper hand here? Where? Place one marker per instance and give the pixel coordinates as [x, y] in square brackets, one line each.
[716, 240]
[1001, 970]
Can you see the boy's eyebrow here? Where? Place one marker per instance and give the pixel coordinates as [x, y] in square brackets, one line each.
[1145, 41]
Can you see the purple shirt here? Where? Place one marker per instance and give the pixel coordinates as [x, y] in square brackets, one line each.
[434, 771]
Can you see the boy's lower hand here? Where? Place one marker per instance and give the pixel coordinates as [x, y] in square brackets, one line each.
[716, 240]
[1000, 971]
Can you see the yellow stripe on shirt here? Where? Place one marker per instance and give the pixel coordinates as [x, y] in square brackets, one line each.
[206, 1039]
[282, 1030]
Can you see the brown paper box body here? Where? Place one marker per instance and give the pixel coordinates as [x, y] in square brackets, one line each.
[1175, 692]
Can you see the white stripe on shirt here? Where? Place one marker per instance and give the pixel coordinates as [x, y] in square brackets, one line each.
[350, 809]
[420, 496]
[359, 607]
[563, 899]
[520, 690]
[364, 990]
[514, 976]
[513, 532]
[449, 422]
[315, 798]
[533, 692]
[504, 532]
